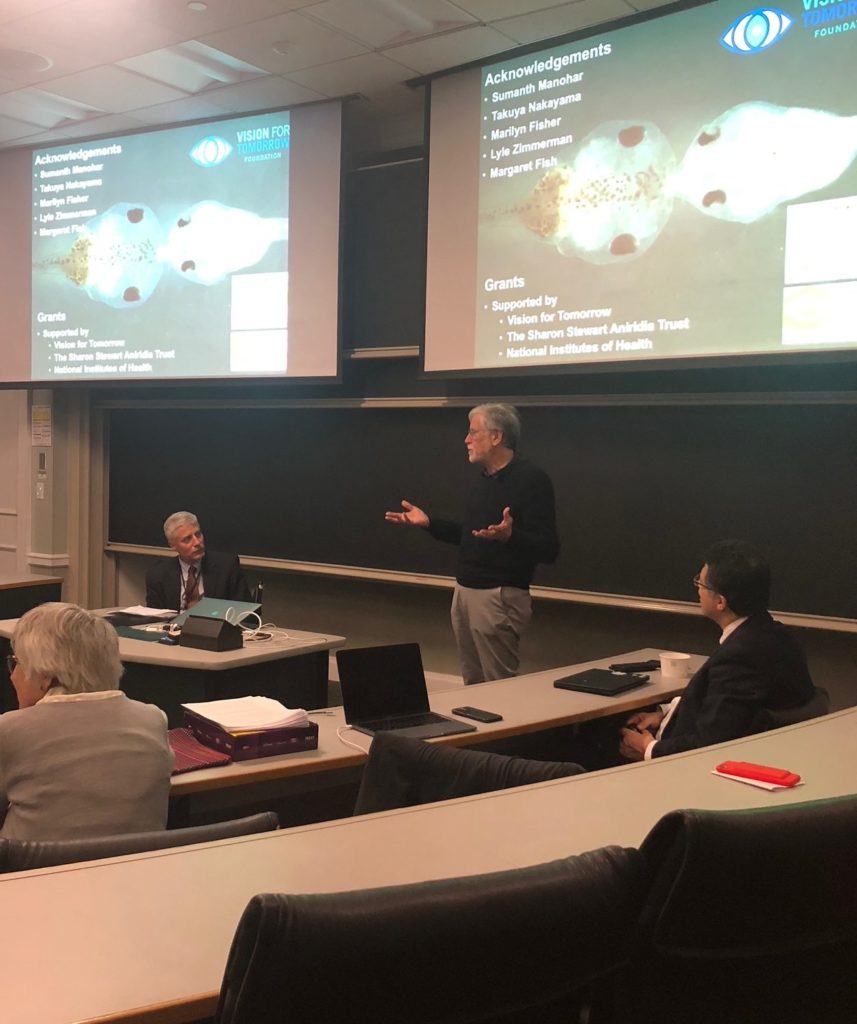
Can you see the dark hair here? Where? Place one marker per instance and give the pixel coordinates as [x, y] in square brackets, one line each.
[741, 574]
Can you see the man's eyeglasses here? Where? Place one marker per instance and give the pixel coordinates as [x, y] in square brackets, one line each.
[11, 662]
[697, 582]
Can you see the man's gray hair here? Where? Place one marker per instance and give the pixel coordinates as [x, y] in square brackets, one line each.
[504, 418]
[176, 521]
[76, 650]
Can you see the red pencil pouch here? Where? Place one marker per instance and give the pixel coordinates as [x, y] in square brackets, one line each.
[759, 772]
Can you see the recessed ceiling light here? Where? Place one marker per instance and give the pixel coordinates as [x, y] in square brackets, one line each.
[197, 5]
[23, 60]
[282, 47]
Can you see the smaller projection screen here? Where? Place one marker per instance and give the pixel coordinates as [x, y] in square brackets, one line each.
[199, 251]
[672, 189]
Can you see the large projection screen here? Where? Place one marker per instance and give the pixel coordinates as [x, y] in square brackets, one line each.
[202, 251]
[674, 189]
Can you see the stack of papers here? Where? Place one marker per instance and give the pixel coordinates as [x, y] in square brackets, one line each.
[249, 714]
[153, 613]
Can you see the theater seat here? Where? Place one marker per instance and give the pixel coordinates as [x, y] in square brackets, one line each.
[402, 772]
[751, 917]
[23, 855]
[815, 707]
[517, 947]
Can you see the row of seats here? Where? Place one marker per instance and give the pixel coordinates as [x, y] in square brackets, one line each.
[737, 917]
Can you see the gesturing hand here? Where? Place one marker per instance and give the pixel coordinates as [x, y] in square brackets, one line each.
[412, 516]
[501, 531]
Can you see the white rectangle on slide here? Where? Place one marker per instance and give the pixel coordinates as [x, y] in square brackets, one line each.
[820, 241]
[820, 314]
[259, 302]
[258, 351]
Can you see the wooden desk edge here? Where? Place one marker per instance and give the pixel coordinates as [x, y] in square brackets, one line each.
[176, 1011]
[40, 581]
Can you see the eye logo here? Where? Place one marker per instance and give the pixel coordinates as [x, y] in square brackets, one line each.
[756, 30]
[210, 151]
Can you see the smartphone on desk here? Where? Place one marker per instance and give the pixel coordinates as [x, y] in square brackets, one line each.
[477, 714]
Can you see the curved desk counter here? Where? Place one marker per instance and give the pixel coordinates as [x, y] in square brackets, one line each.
[145, 938]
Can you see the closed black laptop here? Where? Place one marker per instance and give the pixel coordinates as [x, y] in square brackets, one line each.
[601, 681]
[384, 688]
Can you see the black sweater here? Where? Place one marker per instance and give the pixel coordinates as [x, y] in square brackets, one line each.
[528, 493]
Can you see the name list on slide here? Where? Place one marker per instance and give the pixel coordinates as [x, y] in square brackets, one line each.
[533, 115]
[66, 195]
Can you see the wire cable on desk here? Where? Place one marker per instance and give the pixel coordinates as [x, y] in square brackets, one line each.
[348, 743]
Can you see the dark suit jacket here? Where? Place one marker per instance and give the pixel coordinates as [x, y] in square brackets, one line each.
[221, 577]
[759, 666]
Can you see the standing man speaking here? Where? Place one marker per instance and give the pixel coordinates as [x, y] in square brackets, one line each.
[509, 526]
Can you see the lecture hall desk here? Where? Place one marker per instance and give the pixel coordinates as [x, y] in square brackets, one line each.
[145, 938]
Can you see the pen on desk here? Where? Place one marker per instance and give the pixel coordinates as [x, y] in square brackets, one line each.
[319, 712]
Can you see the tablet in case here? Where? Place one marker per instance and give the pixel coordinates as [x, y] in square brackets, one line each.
[601, 681]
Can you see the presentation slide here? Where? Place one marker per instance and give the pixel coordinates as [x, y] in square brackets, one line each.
[207, 250]
[678, 188]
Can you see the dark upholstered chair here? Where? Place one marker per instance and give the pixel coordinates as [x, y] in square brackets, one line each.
[517, 947]
[22, 855]
[402, 772]
[751, 917]
[815, 707]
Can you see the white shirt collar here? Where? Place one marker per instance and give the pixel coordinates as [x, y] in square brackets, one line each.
[68, 697]
[730, 629]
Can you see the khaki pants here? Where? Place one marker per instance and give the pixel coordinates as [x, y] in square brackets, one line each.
[488, 625]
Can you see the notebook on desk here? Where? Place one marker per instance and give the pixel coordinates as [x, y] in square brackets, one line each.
[384, 689]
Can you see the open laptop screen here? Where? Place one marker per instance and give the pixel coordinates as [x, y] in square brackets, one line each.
[379, 682]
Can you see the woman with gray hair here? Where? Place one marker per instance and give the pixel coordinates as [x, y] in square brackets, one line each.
[78, 759]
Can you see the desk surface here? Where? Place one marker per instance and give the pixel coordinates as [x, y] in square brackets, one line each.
[144, 652]
[146, 937]
[527, 703]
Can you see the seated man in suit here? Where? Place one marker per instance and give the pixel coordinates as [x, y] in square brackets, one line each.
[181, 582]
[759, 664]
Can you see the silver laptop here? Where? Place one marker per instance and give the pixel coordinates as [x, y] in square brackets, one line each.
[384, 689]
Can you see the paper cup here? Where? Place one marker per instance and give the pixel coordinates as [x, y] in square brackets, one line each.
[674, 665]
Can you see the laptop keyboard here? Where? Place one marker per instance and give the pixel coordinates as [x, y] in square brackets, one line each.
[402, 721]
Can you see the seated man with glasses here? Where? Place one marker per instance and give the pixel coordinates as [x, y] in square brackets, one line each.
[758, 666]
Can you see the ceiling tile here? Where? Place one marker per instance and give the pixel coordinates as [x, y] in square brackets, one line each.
[100, 30]
[649, 5]
[192, 67]
[220, 15]
[530, 28]
[189, 109]
[309, 43]
[491, 10]
[12, 130]
[110, 124]
[12, 9]
[451, 49]
[260, 94]
[42, 109]
[380, 23]
[114, 89]
[367, 74]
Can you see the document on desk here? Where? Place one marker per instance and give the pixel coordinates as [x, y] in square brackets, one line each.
[246, 714]
[152, 613]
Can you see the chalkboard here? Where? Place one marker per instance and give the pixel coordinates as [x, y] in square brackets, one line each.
[641, 491]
